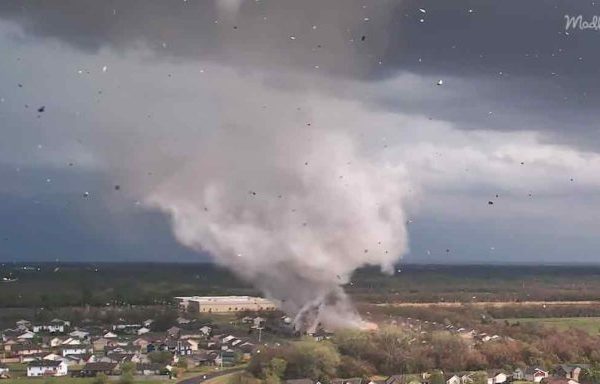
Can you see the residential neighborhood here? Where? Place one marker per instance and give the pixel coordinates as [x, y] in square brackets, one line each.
[60, 348]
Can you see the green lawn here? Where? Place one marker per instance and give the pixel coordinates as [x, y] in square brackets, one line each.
[588, 324]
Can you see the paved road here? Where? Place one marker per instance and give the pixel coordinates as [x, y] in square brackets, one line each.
[207, 376]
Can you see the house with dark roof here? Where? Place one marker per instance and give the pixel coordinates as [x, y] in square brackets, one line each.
[570, 371]
[46, 368]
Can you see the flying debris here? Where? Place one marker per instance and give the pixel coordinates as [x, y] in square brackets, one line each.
[422, 10]
[41, 109]
[117, 187]
[104, 69]
[363, 38]
[440, 82]
[86, 194]
[490, 202]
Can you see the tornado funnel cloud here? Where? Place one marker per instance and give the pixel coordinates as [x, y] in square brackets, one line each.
[294, 220]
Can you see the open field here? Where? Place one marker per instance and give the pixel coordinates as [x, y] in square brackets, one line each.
[588, 324]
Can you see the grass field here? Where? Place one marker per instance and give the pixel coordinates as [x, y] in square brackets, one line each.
[588, 324]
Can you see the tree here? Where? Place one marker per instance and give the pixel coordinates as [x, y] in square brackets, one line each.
[479, 377]
[127, 368]
[311, 359]
[352, 367]
[160, 357]
[437, 377]
[182, 363]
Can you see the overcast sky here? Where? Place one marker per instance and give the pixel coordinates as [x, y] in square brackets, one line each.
[478, 102]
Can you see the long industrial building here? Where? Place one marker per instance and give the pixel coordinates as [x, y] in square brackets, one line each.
[219, 304]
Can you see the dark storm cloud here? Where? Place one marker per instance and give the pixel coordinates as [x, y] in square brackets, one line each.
[515, 57]
[507, 67]
[46, 217]
[266, 33]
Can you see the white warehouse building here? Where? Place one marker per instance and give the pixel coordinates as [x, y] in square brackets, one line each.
[219, 304]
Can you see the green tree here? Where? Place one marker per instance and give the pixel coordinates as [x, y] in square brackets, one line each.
[479, 377]
[160, 357]
[182, 363]
[437, 377]
[311, 359]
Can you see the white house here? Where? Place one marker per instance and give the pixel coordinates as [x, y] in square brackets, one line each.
[71, 341]
[148, 323]
[497, 378]
[79, 334]
[453, 380]
[205, 330]
[56, 341]
[26, 335]
[55, 326]
[47, 368]
[142, 331]
[3, 370]
[110, 335]
[75, 350]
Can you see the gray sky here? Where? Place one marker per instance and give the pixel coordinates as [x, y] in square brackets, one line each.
[133, 90]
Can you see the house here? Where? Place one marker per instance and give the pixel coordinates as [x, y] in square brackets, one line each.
[23, 324]
[354, 380]
[27, 335]
[92, 369]
[79, 334]
[141, 343]
[149, 369]
[227, 339]
[75, 350]
[46, 368]
[258, 321]
[52, 356]
[142, 331]
[3, 370]
[110, 335]
[148, 323]
[402, 379]
[26, 349]
[226, 358]
[534, 374]
[467, 378]
[193, 344]
[55, 341]
[206, 330]
[180, 347]
[454, 379]
[496, 377]
[570, 371]
[71, 341]
[54, 326]
[185, 334]
[101, 343]
[71, 360]
[173, 331]
[183, 320]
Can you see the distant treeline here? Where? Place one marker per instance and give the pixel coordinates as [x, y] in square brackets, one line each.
[55, 285]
